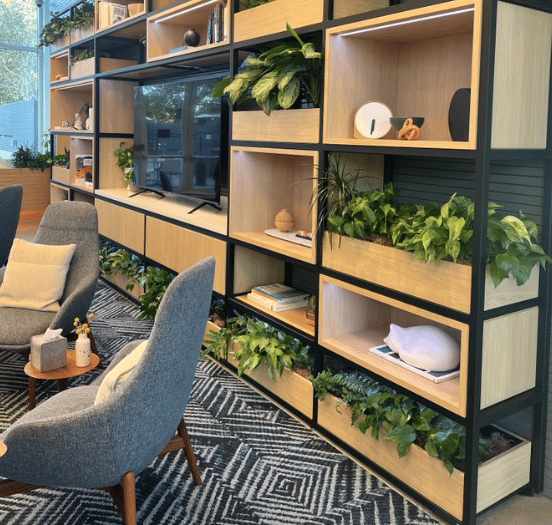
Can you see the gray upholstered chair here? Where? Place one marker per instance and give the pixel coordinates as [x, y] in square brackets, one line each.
[10, 208]
[63, 223]
[68, 441]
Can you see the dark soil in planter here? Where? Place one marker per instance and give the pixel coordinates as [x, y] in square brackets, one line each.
[303, 372]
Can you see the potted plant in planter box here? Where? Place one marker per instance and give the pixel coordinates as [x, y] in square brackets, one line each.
[55, 32]
[60, 167]
[82, 23]
[441, 236]
[273, 359]
[416, 444]
[125, 161]
[278, 78]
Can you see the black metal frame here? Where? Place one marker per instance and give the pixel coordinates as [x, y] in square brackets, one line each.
[483, 157]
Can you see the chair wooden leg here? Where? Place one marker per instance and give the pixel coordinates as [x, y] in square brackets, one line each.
[9, 487]
[128, 484]
[124, 497]
[189, 451]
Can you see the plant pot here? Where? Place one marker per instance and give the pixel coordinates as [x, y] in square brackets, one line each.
[61, 174]
[284, 125]
[36, 186]
[311, 317]
[444, 283]
[497, 477]
[81, 33]
[290, 386]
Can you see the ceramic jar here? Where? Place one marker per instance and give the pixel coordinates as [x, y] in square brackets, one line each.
[284, 221]
[82, 351]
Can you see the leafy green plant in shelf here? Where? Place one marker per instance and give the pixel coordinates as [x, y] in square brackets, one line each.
[62, 159]
[405, 421]
[87, 53]
[366, 213]
[278, 77]
[248, 4]
[83, 15]
[259, 342]
[125, 160]
[155, 281]
[53, 30]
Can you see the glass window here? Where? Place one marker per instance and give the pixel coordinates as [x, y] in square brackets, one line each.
[18, 75]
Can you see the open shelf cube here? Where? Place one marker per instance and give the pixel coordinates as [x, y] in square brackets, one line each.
[263, 182]
[81, 156]
[166, 30]
[109, 14]
[252, 269]
[413, 62]
[66, 101]
[353, 319]
[58, 193]
[59, 67]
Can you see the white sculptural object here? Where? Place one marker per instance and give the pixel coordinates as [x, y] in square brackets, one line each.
[426, 347]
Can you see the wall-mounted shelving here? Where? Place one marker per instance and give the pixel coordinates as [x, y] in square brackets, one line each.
[166, 30]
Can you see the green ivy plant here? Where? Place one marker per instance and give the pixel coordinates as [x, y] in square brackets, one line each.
[83, 15]
[258, 342]
[125, 159]
[62, 159]
[53, 30]
[278, 77]
[26, 157]
[405, 421]
[155, 282]
[88, 53]
[365, 213]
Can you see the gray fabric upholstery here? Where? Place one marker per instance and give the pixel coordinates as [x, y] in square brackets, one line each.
[63, 223]
[10, 209]
[70, 442]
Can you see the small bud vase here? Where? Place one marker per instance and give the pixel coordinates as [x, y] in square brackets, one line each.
[82, 351]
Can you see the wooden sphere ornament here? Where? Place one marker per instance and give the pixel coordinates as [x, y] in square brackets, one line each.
[409, 131]
[284, 221]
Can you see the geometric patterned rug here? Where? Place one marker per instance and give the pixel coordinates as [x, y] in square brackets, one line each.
[259, 465]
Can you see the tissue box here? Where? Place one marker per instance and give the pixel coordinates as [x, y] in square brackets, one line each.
[48, 355]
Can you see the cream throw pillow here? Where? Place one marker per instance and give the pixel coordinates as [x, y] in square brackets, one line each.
[35, 275]
[115, 378]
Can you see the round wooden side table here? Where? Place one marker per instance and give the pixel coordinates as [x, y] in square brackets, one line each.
[61, 375]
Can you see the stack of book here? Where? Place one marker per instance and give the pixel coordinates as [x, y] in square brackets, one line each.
[278, 297]
[217, 27]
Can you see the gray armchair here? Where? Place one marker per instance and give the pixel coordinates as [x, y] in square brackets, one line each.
[63, 223]
[10, 204]
[68, 441]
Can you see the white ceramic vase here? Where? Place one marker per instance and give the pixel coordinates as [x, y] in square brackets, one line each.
[82, 351]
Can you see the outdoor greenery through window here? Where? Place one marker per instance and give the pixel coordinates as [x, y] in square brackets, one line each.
[18, 75]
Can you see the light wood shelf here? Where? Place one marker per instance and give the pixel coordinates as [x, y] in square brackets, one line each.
[59, 67]
[66, 101]
[99, 27]
[166, 30]
[173, 207]
[81, 146]
[264, 181]
[124, 226]
[412, 61]
[353, 319]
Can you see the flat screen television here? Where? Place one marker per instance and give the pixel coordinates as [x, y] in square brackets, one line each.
[181, 138]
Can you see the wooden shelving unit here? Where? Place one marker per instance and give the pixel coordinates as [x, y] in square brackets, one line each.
[413, 57]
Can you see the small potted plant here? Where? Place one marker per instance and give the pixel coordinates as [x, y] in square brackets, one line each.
[125, 161]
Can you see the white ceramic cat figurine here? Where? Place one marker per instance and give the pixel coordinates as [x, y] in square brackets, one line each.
[426, 347]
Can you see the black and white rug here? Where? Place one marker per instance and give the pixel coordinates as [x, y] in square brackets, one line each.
[259, 465]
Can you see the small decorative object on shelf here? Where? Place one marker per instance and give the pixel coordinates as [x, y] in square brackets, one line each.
[278, 297]
[310, 312]
[372, 121]
[459, 115]
[191, 38]
[82, 344]
[284, 220]
[48, 350]
[409, 130]
[426, 347]
[84, 166]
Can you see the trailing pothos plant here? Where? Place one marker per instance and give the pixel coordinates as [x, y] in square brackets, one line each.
[258, 342]
[437, 233]
[248, 4]
[376, 407]
[155, 282]
[279, 76]
[84, 55]
[62, 159]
